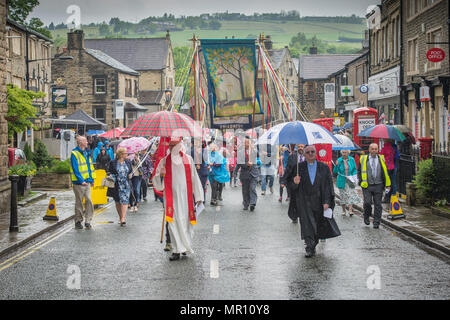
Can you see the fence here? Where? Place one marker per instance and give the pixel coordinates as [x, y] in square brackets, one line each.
[441, 164]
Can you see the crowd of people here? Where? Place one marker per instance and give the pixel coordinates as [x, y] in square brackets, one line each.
[180, 179]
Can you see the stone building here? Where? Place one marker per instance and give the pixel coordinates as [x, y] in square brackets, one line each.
[314, 72]
[5, 185]
[385, 62]
[426, 22]
[91, 81]
[151, 57]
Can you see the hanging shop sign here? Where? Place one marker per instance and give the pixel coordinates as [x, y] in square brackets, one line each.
[435, 55]
[59, 97]
[329, 89]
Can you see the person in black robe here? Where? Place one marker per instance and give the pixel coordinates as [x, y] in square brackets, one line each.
[315, 194]
[294, 160]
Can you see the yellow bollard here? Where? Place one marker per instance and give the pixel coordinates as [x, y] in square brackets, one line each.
[51, 211]
[395, 211]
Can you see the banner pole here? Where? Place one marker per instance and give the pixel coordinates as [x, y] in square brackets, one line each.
[256, 81]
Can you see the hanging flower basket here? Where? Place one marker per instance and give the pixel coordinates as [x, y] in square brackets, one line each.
[11, 118]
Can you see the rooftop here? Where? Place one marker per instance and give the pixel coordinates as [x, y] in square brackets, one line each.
[103, 57]
[320, 66]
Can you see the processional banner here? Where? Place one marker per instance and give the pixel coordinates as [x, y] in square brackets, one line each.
[231, 68]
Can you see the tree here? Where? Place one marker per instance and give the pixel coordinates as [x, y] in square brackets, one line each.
[19, 10]
[215, 25]
[104, 29]
[51, 26]
[20, 108]
[41, 158]
[37, 25]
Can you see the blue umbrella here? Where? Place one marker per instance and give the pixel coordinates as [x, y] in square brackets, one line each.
[308, 133]
[346, 143]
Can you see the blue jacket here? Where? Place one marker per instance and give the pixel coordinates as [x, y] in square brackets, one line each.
[219, 170]
[97, 151]
[340, 170]
[110, 152]
[76, 171]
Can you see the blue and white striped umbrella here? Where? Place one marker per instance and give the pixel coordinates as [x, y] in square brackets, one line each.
[271, 135]
[308, 133]
[346, 143]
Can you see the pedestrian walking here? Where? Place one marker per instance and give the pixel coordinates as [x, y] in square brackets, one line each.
[285, 151]
[314, 197]
[373, 178]
[96, 151]
[103, 160]
[391, 155]
[200, 155]
[121, 170]
[267, 170]
[218, 175]
[232, 158]
[83, 175]
[177, 177]
[147, 168]
[136, 181]
[291, 171]
[346, 180]
[109, 150]
[249, 174]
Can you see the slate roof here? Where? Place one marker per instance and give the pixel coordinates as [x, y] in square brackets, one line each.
[103, 57]
[130, 106]
[320, 66]
[277, 55]
[83, 116]
[139, 54]
[296, 61]
[146, 97]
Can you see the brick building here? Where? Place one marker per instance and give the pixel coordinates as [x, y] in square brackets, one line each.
[386, 62]
[314, 72]
[91, 81]
[426, 21]
[5, 185]
[151, 57]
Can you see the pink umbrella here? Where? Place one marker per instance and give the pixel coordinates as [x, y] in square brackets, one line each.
[134, 144]
[110, 133]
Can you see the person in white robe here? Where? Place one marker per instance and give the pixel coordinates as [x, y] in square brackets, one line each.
[181, 227]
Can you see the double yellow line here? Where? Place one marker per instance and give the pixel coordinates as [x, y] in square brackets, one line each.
[13, 260]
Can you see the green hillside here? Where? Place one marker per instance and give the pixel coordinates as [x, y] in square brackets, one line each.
[280, 31]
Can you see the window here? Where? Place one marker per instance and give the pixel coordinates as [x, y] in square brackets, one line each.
[128, 88]
[99, 113]
[99, 85]
[413, 56]
[131, 117]
[16, 44]
[434, 36]
[135, 88]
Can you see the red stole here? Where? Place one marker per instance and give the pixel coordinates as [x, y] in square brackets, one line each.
[168, 189]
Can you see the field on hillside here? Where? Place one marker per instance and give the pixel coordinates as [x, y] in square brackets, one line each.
[281, 32]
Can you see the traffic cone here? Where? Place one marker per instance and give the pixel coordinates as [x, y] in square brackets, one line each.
[395, 211]
[51, 211]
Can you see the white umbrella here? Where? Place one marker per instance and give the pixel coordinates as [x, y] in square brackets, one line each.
[271, 135]
[345, 143]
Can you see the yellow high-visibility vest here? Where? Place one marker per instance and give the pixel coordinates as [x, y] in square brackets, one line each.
[363, 161]
[82, 167]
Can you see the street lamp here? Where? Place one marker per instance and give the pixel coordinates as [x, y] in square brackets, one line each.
[168, 96]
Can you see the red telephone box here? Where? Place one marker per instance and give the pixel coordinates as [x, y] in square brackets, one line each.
[324, 150]
[364, 118]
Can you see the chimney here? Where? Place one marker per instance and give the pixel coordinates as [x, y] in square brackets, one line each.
[313, 50]
[75, 40]
[168, 35]
[268, 43]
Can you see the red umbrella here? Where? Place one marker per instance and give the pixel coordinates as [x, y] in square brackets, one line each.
[110, 133]
[163, 124]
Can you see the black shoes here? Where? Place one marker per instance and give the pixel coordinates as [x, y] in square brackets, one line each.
[122, 224]
[174, 256]
[295, 221]
[376, 225]
[245, 208]
[78, 225]
[366, 220]
[87, 226]
[309, 253]
[213, 203]
[252, 207]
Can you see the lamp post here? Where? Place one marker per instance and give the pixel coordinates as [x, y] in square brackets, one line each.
[168, 97]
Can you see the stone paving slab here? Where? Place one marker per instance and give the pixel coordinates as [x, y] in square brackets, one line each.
[30, 219]
[419, 223]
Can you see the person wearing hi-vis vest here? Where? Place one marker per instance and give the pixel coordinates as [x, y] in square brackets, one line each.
[373, 178]
[83, 175]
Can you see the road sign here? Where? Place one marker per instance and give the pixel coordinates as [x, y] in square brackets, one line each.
[435, 55]
[119, 108]
[364, 88]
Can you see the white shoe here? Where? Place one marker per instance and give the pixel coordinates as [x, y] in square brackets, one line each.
[343, 213]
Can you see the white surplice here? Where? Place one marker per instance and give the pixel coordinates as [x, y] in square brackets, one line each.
[181, 230]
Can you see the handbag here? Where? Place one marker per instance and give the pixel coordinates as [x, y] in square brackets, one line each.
[351, 181]
[108, 182]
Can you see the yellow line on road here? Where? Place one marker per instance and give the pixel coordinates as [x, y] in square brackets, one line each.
[6, 264]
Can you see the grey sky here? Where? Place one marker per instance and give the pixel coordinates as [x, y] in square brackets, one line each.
[135, 10]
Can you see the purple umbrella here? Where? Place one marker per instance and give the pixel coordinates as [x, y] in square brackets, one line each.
[134, 144]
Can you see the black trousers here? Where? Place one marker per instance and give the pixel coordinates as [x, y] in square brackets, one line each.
[144, 188]
[216, 187]
[373, 194]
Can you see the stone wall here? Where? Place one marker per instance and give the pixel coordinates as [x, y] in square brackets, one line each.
[5, 185]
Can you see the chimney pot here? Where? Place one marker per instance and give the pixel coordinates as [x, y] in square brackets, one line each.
[313, 50]
[75, 40]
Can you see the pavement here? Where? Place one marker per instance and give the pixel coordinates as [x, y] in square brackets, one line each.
[239, 255]
[30, 218]
[420, 223]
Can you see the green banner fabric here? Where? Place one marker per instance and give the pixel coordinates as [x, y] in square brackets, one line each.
[231, 67]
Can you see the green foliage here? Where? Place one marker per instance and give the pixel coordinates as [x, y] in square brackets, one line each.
[20, 108]
[103, 29]
[19, 10]
[441, 203]
[28, 169]
[28, 152]
[41, 157]
[61, 167]
[424, 180]
[300, 44]
[37, 25]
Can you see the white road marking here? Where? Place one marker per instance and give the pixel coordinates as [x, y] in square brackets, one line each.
[214, 269]
[218, 208]
[216, 229]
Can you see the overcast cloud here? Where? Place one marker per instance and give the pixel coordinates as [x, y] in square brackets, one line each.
[135, 10]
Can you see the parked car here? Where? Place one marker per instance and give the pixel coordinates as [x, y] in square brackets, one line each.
[16, 156]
